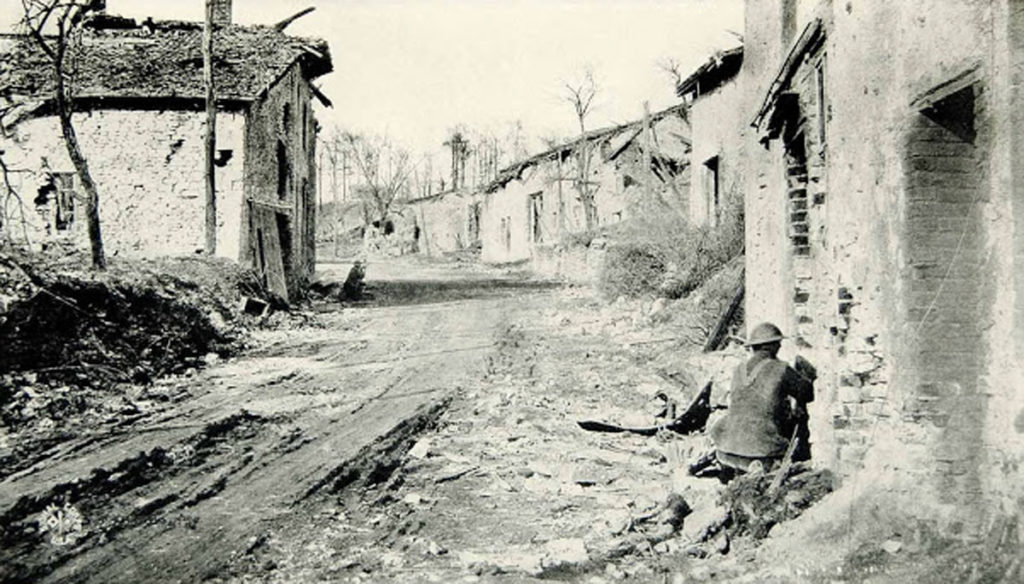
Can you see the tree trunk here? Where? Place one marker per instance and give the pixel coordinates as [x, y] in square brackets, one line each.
[92, 197]
[583, 182]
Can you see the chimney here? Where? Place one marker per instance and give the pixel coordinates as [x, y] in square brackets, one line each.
[221, 12]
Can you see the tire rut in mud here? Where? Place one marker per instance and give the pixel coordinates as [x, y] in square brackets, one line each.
[376, 462]
[40, 533]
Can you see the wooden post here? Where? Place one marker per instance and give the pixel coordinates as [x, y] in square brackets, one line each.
[648, 145]
[211, 132]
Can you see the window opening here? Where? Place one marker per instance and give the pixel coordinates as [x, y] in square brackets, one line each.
[536, 214]
[711, 189]
[283, 170]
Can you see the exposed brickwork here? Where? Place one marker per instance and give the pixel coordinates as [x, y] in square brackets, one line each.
[912, 262]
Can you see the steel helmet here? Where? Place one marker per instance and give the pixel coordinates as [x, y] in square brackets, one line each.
[763, 334]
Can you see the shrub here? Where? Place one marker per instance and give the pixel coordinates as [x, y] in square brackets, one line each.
[664, 255]
[631, 269]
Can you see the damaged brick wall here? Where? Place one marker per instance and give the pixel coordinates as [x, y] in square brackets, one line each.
[147, 167]
[908, 247]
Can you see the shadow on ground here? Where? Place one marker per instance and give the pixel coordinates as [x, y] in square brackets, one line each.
[411, 292]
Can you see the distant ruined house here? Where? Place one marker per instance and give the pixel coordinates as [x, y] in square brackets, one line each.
[713, 96]
[885, 233]
[139, 114]
[534, 205]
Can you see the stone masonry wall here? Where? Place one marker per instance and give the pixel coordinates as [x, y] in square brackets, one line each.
[148, 168]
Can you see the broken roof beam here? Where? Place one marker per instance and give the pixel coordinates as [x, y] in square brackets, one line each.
[319, 95]
[280, 26]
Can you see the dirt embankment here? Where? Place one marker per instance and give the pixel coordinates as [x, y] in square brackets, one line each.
[80, 348]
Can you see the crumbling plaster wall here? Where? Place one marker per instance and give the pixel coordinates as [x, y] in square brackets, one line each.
[913, 292]
[504, 231]
[718, 126]
[1005, 428]
[444, 222]
[148, 169]
[765, 214]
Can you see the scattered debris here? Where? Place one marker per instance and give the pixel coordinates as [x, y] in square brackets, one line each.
[754, 511]
[691, 420]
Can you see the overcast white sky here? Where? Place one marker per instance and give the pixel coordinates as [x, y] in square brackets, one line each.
[414, 69]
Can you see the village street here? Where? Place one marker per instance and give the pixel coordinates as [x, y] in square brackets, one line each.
[245, 443]
[426, 434]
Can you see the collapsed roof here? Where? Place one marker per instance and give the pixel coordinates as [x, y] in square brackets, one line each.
[714, 73]
[618, 139]
[119, 61]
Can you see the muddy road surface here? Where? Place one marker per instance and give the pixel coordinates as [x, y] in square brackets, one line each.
[181, 492]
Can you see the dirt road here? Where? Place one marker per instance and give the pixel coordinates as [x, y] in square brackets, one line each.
[178, 494]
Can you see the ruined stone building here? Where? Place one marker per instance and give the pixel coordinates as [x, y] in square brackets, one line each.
[535, 204]
[712, 97]
[885, 232]
[447, 221]
[139, 115]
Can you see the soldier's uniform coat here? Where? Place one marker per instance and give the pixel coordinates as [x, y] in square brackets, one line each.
[760, 419]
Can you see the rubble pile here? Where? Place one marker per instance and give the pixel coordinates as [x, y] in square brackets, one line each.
[755, 508]
[134, 322]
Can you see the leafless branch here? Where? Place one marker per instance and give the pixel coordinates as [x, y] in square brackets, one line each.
[384, 168]
[11, 193]
[673, 68]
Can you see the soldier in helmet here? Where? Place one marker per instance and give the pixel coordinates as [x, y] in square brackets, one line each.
[354, 286]
[765, 406]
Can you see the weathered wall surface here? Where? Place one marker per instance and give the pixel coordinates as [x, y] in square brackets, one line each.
[148, 167]
[448, 222]
[532, 216]
[718, 127]
[909, 280]
[505, 234]
[280, 177]
[765, 222]
[1005, 418]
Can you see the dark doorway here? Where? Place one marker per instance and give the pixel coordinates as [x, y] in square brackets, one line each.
[284, 236]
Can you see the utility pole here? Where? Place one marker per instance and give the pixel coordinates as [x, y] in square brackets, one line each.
[211, 133]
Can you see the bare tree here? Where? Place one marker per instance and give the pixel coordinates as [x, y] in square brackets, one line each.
[334, 148]
[10, 195]
[54, 26]
[384, 169]
[673, 69]
[460, 148]
[580, 95]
